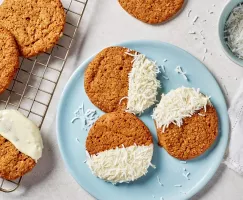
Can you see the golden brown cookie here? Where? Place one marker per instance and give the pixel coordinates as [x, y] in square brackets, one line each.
[193, 138]
[106, 78]
[13, 164]
[152, 11]
[120, 148]
[116, 129]
[36, 25]
[9, 56]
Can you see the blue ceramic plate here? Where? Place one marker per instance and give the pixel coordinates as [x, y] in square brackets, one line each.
[169, 170]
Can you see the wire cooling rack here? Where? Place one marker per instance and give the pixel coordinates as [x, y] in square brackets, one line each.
[33, 87]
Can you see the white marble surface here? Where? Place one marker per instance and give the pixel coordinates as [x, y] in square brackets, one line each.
[104, 24]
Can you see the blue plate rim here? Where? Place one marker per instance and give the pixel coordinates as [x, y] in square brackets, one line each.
[85, 63]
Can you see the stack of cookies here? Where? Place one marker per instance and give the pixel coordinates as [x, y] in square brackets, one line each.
[123, 83]
[27, 28]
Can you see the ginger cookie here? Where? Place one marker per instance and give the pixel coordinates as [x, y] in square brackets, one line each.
[193, 138]
[152, 11]
[20, 144]
[119, 78]
[106, 78]
[186, 122]
[9, 56]
[13, 163]
[119, 147]
[36, 25]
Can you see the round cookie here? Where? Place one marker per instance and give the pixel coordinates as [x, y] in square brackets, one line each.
[36, 25]
[152, 11]
[13, 163]
[119, 147]
[9, 56]
[20, 144]
[106, 78]
[193, 138]
[186, 122]
[115, 130]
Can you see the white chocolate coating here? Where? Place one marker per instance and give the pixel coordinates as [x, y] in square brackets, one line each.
[21, 132]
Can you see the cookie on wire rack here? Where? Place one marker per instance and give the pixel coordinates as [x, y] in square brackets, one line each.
[36, 25]
[9, 56]
[20, 144]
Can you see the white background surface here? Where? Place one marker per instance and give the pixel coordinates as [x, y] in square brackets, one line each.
[105, 23]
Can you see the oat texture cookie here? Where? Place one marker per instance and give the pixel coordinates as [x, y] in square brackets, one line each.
[186, 122]
[13, 163]
[121, 79]
[20, 144]
[152, 11]
[36, 25]
[193, 138]
[106, 78]
[9, 56]
[119, 147]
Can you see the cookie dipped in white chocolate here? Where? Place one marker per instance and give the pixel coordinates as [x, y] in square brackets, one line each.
[21, 132]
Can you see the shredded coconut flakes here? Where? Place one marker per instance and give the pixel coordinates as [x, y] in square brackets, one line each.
[143, 84]
[178, 104]
[87, 117]
[234, 31]
[179, 70]
[121, 164]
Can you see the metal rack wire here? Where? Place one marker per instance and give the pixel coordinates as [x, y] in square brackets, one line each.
[33, 87]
